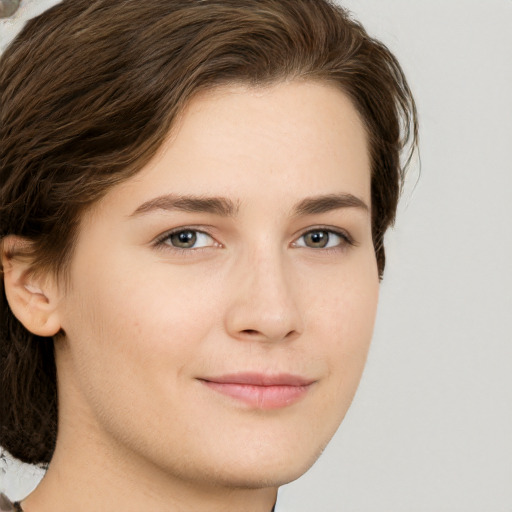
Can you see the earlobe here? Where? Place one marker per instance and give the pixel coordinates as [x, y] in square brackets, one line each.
[32, 296]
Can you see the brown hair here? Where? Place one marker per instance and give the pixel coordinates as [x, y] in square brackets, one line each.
[89, 91]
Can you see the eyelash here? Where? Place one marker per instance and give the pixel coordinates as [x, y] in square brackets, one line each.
[161, 241]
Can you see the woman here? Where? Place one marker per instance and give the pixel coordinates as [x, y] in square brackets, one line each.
[193, 205]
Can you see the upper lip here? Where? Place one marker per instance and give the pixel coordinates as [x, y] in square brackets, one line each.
[261, 379]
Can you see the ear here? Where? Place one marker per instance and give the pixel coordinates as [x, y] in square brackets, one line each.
[32, 296]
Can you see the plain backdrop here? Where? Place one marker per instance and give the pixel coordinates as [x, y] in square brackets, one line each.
[430, 429]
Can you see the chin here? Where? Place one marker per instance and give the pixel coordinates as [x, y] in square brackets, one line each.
[257, 477]
[269, 468]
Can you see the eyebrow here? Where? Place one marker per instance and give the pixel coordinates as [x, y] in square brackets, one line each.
[217, 205]
[327, 203]
[225, 207]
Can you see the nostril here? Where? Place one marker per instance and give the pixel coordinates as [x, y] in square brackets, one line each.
[8, 7]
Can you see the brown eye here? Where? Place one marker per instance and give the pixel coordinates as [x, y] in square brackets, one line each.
[186, 239]
[317, 239]
[183, 239]
[323, 239]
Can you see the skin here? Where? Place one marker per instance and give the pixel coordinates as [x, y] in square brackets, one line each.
[144, 322]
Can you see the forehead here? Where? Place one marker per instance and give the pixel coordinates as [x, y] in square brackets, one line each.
[272, 145]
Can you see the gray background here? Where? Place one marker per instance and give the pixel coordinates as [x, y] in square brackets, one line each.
[430, 429]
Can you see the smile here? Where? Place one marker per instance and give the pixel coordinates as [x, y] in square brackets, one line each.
[261, 391]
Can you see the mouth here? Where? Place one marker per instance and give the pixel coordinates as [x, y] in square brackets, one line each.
[261, 391]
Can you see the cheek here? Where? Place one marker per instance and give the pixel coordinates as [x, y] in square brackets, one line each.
[149, 317]
[154, 316]
[132, 346]
[345, 316]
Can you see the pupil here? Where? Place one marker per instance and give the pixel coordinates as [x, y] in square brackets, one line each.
[319, 238]
[184, 238]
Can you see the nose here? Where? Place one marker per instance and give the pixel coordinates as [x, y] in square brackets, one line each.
[264, 301]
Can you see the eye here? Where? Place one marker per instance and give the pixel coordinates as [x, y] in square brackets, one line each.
[323, 239]
[187, 239]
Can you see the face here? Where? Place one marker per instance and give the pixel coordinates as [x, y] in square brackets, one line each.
[221, 302]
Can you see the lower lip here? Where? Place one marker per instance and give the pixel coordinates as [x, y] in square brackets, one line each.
[261, 397]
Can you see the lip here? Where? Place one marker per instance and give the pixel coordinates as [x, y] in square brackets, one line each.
[261, 391]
